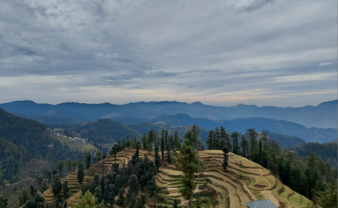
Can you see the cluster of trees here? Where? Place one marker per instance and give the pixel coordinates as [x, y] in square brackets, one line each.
[248, 145]
[308, 177]
[31, 198]
[138, 174]
[163, 140]
[326, 151]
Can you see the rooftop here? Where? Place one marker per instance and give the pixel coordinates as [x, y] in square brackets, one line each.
[266, 203]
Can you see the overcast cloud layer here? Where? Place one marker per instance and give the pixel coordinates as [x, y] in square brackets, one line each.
[263, 52]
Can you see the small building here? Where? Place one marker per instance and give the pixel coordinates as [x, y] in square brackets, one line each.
[266, 203]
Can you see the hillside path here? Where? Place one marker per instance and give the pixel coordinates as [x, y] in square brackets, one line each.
[260, 169]
[267, 193]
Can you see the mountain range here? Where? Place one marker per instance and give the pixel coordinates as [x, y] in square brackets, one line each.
[311, 123]
[322, 116]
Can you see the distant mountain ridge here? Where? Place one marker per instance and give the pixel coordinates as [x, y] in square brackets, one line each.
[322, 116]
[242, 124]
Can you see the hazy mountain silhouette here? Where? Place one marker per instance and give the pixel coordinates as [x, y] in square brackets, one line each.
[322, 116]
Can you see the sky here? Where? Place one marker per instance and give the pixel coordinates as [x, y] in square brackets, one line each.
[262, 52]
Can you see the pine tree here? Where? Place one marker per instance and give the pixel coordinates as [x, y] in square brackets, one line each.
[171, 141]
[162, 143]
[132, 201]
[24, 196]
[217, 139]
[33, 190]
[175, 205]
[65, 190]
[253, 141]
[210, 140]
[260, 150]
[120, 200]
[116, 167]
[224, 136]
[98, 193]
[296, 179]
[168, 154]
[244, 145]
[165, 138]
[151, 140]
[133, 184]
[188, 162]
[225, 160]
[234, 137]
[264, 139]
[56, 185]
[194, 136]
[69, 164]
[157, 158]
[144, 141]
[80, 173]
[87, 160]
[177, 140]
[61, 165]
[137, 149]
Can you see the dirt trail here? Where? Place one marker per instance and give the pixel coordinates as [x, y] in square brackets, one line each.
[267, 193]
[260, 169]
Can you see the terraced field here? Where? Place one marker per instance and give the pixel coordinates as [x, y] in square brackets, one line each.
[103, 166]
[245, 181]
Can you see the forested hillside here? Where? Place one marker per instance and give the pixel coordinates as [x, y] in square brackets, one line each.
[12, 158]
[23, 139]
[24, 132]
[106, 130]
[285, 140]
[326, 151]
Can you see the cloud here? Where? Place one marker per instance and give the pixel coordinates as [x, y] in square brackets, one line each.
[325, 64]
[94, 51]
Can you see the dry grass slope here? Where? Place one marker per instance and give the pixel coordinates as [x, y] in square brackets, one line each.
[245, 181]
